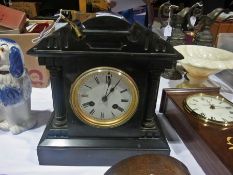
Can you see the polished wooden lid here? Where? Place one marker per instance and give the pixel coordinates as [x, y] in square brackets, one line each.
[149, 164]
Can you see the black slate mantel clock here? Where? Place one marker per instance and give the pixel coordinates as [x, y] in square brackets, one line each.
[104, 89]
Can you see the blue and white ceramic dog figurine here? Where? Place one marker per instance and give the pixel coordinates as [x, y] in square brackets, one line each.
[15, 89]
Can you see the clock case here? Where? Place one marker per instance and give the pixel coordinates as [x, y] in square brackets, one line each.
[207, 142]
[108, 40]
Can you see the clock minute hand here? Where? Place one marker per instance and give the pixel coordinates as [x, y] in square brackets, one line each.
[113, 88]
[105, 98]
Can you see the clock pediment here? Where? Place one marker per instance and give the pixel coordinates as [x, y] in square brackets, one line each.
[105, 35]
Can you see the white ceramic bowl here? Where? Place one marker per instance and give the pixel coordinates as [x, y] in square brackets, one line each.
[202, 61]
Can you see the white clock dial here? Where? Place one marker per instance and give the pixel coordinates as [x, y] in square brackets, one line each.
[211, 108]
[104, 97]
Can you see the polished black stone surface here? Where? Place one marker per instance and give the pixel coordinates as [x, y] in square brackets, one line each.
[107, 41]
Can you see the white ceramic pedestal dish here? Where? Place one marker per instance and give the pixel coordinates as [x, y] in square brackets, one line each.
[202, 61]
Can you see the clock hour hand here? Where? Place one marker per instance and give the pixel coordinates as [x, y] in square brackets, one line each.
[108, 81]
[213, 106]
[223, 107]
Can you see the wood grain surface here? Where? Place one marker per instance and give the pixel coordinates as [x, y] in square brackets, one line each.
[210, 144]
[149, 164]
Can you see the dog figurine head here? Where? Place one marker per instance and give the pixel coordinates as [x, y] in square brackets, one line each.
[15, 89]
[11, 57]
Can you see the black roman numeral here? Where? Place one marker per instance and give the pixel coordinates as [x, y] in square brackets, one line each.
[115, 106]
[101, 115]
[90, 103]
[84, 95]
[92, 111]
[86, 104]
[108, 78]
[202, 114]
[120, 109]
[124, 100]
[224, 120]
[123, 91]
[213, 118]
[193, 104]
[97, 80]
[88, 86]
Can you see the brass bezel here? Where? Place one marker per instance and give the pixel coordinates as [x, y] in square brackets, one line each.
[100, 123]
[206, 120]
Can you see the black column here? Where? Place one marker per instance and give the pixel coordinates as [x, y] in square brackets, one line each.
[58, 95]
[149, 119]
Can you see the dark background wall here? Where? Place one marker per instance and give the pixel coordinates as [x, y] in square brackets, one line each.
[49, 7]
[209, 5]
